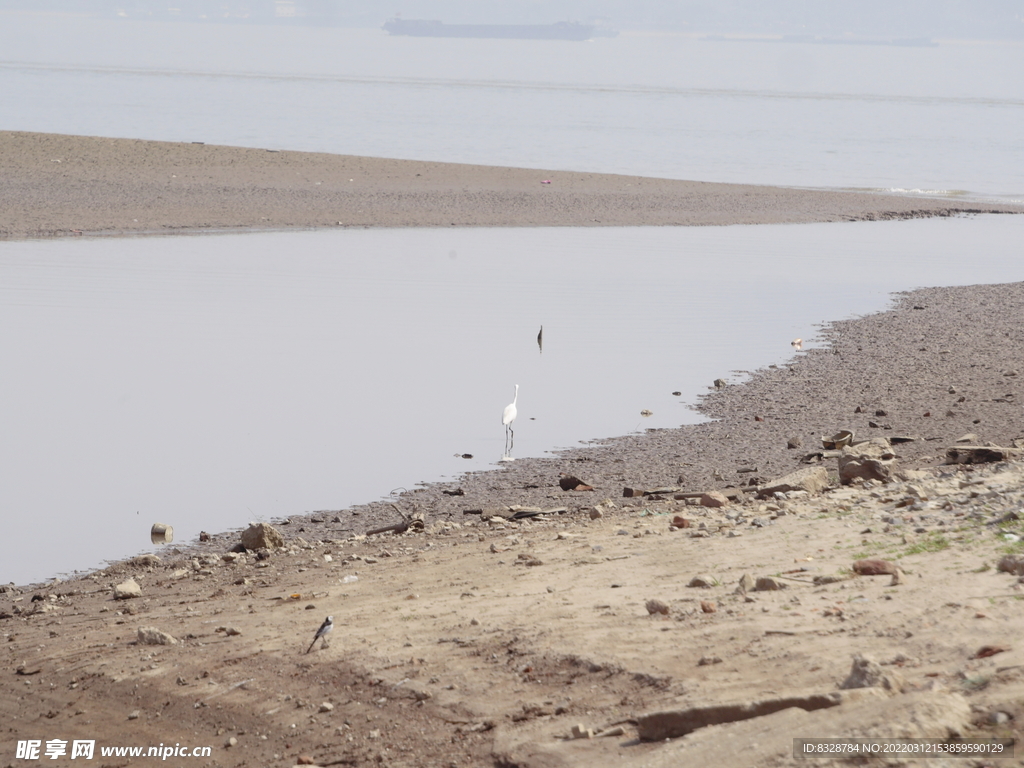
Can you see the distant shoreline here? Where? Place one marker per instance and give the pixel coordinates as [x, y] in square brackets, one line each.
[57, 185]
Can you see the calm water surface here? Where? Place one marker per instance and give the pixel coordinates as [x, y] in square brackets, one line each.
[943, 120]
[207, 381]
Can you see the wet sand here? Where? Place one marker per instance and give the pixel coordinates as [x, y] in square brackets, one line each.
[55, 185]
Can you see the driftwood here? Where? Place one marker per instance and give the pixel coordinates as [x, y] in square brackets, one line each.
[981, 454]
[515, 513]
[679, 495]
[407, 523]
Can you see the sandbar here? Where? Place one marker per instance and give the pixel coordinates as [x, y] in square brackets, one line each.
[55, 185]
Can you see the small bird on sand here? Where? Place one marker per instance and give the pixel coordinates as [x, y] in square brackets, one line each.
[325, 628]
[797, 344]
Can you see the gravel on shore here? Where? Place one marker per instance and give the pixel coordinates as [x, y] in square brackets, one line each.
[55, 185]
[941, 364]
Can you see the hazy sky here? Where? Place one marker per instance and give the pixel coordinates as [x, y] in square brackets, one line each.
[987, 19]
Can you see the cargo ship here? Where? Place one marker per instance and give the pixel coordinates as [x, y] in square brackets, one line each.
[561, 30]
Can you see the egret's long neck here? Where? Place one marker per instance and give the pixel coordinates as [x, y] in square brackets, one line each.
[516, 395]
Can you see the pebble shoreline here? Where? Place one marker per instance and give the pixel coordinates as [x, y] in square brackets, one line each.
[935, 378]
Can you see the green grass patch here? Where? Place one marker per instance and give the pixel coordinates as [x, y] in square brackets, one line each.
[1012, 548]
[933, 542]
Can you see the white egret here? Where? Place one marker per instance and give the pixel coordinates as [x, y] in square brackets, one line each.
[507, 417]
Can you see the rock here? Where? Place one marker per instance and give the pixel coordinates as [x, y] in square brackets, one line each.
[981, 454]
[989, 650]
[1012, 564]
[616, 731]
[671, 724]
[810, 479]
[127, 590]
[869, 460]
[262, 536]
[604, 508]
[656, 606]
[720, 384]
[154, 636]
[714, 499]
[704, 581]
[571, 483]
[326, 707]
[747, 583]
[524, 559]
[580, 732]
[830, 578]
[794, 442]
[875, 567]
[706, 661]
[868, 673]
[679, 522]
[150, 561]
[708, 607]
[768, 584]
[839, 440]
[305, 760]
[135, 714]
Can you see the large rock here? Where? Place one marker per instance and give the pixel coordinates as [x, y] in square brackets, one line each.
[714, 499]
[262, 536]
[127, 590]
[1012, 564]
[811, 479]
[868, 673]
[870, 460]
[874, 566]
[153, 636]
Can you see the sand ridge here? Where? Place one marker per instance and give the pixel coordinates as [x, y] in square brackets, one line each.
[55, 185]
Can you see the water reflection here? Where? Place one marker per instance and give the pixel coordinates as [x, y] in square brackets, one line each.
[205, 382]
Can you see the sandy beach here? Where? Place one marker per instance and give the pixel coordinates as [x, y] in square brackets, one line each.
[56, 185]
[518, 618]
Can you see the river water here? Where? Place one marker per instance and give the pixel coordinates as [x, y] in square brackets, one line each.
[207, 381]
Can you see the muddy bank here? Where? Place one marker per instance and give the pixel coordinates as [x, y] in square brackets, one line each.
[55, 185]
[942, 363]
